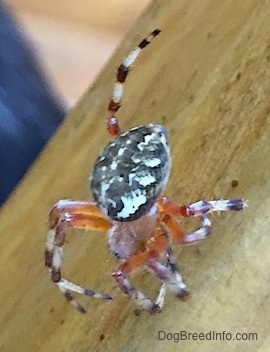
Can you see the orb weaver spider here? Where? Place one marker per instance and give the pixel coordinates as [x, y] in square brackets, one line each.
[128, 178]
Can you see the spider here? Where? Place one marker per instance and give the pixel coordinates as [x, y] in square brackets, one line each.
[128, 178]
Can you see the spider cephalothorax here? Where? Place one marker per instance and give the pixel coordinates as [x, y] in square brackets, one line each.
[127, 180]
[131, 172]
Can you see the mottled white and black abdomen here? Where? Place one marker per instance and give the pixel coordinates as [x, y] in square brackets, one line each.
[131, 172]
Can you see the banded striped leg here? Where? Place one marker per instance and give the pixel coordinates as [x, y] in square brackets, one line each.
[169, 275]
[155, 246]
[180, 288]
[123, 70]
[74, 214]
[171, 264]
[200, 209]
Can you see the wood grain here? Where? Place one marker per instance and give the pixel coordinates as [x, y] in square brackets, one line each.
[206, 78]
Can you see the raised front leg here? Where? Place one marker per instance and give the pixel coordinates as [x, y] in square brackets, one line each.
[167, 209]
[165, 205]
[73, 214]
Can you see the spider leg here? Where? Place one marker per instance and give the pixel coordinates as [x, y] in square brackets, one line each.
[161, 296]
[76, 215]
[169, 275]
[155, 245]
[123, 70]
[190, 238]
[163, 288]
[172, 264]
[200, 208]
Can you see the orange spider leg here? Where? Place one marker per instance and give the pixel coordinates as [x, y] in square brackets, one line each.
[77, 207]
[187, 239]
[173, 226]
[156, 245]
[76, 215]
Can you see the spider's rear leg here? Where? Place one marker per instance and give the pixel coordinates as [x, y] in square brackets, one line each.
[77, 215]
[122, 72]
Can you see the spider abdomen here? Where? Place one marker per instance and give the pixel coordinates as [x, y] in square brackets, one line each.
[131, 172]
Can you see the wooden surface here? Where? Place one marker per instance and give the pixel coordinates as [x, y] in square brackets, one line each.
[206, 78]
